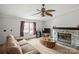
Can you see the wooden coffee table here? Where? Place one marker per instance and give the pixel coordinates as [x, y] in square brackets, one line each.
[49, 44]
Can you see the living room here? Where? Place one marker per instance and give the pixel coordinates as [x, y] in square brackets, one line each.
[63, 25]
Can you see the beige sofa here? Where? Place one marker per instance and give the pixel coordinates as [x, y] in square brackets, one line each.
[12, 46]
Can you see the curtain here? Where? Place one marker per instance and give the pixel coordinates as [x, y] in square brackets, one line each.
[22, 28]
[34, 29]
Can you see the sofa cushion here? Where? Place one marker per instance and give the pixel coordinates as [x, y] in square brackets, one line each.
[11, 43]
[27, 48]
[12, 46]
[11, 39]
[22, 42]
[14, 50]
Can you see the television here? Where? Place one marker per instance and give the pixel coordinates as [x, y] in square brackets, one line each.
[46, 30]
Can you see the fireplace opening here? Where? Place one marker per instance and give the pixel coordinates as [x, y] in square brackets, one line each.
[64, 37]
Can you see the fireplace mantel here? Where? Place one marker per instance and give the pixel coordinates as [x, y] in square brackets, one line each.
[66, 28]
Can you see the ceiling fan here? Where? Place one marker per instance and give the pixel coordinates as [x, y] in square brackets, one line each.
[44, 12]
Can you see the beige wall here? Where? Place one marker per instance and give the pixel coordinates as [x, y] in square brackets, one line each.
[11, 22]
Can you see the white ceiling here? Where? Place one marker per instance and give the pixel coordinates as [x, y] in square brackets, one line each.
[27, 10]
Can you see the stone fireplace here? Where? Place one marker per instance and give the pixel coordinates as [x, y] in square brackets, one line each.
[64, 37]
[67, 36]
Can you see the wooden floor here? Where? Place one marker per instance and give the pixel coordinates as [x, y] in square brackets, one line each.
[58, 49]
[1, 49]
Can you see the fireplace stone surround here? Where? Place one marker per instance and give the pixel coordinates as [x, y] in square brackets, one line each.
[72, 32]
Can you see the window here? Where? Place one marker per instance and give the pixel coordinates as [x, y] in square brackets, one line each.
[26, 27]
[29, 28]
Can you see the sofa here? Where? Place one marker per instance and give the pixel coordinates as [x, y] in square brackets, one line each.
[12, 46]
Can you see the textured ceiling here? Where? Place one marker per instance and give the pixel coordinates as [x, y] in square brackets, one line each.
[27, 10]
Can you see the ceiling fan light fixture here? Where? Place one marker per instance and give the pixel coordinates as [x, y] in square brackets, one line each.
[45, 12]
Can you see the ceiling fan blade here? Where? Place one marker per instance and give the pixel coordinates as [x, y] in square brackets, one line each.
[49, 14]
[50, 10]
[36, 13]
[38, 10]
